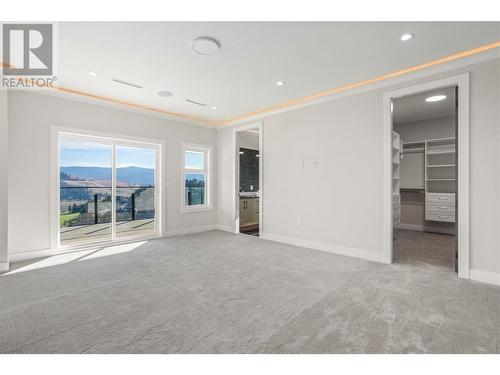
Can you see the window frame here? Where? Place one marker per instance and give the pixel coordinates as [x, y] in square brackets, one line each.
[60, 133]
[207, 170]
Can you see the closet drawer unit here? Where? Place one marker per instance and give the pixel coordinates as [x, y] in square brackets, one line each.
[439, 217]
[443, 208]
[440, 198]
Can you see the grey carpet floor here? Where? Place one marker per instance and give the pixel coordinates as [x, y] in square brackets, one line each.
[217, 292]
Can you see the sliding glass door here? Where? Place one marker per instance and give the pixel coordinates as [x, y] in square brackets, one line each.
[135, 191]
[108, 190]
[85, 180]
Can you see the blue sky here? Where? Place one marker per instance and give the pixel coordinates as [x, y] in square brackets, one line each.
[89, 154]
[194, 160]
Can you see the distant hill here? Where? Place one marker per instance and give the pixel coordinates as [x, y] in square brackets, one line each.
[136, 175]
[129, 175]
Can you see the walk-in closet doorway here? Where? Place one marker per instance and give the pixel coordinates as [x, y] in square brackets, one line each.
[433, 180]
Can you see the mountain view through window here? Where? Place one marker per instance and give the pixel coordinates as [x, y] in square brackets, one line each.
[86, 191]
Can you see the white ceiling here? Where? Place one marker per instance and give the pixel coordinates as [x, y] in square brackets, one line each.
[309, 56]
[414, 107]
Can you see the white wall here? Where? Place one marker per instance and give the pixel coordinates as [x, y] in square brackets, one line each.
[340, 201]
[248, 140]
[418, 131]
[31, 116]
[226, 167]
[4, 265]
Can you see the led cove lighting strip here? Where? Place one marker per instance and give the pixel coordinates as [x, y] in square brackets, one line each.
[351, 86]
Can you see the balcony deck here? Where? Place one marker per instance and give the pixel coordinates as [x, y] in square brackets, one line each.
[77, 235]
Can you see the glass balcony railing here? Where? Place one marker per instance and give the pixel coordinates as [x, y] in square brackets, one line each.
[86, 213]
[194, 195]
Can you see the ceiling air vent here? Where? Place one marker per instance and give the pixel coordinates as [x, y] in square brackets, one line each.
[122, 82]
[196, 103]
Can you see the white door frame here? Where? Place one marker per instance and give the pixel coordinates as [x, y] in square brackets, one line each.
[462, 81]
[236, 181]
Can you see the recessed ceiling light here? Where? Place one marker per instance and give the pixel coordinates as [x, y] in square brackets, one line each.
[406, 37]
[213, 107]
[280, 83]
[205, 45]
[165, 94]
[93, 74]
[435, 98]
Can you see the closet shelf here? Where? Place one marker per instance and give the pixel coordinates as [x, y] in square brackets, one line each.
[440, 165]
[440, 152]
[397, 147]
[441, 179]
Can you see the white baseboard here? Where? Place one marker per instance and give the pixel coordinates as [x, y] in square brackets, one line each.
[4, 266]
[191, 230]
[335, 249]
[485, 277]
[225, 228]
[28, 255]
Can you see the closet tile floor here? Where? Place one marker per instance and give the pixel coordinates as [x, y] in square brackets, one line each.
[218, 292]
[414, 247]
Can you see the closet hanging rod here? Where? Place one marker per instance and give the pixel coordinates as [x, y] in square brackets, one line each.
[413, 190]
[414, 143]
[413, 150]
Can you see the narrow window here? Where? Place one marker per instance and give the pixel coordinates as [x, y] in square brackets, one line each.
[196, 177]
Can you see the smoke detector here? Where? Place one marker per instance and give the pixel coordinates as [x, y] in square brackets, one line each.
[205, 45]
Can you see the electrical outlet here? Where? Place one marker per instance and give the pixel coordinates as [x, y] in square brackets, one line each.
[300, 222]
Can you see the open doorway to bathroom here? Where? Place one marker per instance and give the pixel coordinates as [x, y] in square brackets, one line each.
[424, 175]
[248, 180]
